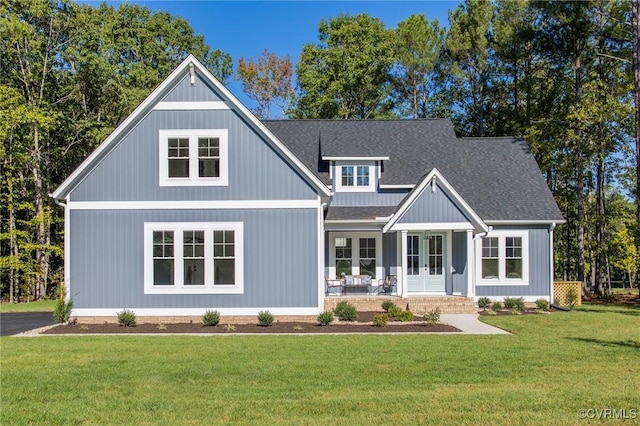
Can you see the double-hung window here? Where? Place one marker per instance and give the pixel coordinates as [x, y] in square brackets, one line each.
[355, 176]
[193, 258]
[503, 258]
[193, 157]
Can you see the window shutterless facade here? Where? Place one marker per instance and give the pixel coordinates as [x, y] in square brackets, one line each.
[503, 258]
[193, 157]
[350, 177]
[193, 258]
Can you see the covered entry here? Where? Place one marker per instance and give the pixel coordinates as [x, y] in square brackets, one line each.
[426, 260]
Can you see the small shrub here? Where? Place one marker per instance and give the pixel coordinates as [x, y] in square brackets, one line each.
[516, 311]
[62, 310]
[265, 319]
[432, 317]
[387, 304]
[161, 326]
[542, 305]
[210, 318]
[394, 311]
[325, 318]
[297, 327]
[127, 318]
[405, 316]
[84, 327]
[380, 320]
[229, 328]
[572, 298]
[484, 302]
[346, 311]
[491, 312]
[514, 303]
[496, 306]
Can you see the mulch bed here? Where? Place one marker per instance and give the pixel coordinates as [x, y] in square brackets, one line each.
[508, 312]
[363, 325]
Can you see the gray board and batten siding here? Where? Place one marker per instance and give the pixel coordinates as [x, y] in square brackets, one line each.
[201, 91]
[433, 207]
[459, 263]
[368, 199]
[130, 171]
[539, 267]
[280, 259]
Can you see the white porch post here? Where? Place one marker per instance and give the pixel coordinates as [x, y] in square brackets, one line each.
[471, 289]
[403, 264]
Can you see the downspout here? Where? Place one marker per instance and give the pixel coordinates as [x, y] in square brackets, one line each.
[551, 262]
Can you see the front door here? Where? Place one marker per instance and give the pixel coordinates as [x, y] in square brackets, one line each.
[426, 263]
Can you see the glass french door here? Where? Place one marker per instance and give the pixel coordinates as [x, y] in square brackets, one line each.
[426, 263]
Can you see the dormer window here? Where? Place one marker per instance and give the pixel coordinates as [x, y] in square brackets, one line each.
[355, 176]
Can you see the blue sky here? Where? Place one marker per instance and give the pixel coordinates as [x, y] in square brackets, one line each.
[246, 28]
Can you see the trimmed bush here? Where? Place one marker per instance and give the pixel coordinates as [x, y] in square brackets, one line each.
[380, 320]
[514, 303]
[394, 311]
[542, 305]
[484, 302]
[405, 316]
[432, 317]
[325, 318]
[387, 304]
[572, 298]
[345, 311]
[210, 318]
[265, 318]
[496, 306]
[127, 318]
[62, 310]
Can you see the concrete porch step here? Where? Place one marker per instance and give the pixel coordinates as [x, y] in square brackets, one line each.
[417, 305]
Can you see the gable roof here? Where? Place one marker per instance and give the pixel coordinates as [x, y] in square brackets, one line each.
[153, 99]
[431, 178]
[497, 177]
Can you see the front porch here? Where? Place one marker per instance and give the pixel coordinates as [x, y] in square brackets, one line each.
[416, 304]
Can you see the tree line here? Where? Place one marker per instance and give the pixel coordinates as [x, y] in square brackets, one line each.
[563, 75]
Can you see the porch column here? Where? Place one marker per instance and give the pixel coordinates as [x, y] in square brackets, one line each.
[403, 264]
[471, 290]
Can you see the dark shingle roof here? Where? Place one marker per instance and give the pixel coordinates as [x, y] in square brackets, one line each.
[359, 213]
[497, 177]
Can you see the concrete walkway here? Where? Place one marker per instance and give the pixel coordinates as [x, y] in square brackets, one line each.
[470, 324]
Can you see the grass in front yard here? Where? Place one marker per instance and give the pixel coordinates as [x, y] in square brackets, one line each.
[37, 306]
[552, 366]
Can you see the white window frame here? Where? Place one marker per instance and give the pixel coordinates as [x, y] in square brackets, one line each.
[502, 280]
[372, 172]
[178, 229]
[193, 135]
[355, 252]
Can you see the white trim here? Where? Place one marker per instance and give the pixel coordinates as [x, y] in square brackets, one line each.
[407, 186]
[471, 289]
[170, 312]
[67, 251]
[192, 204]
[404, 274]
[501, 298]
[342, 158]
[376, 220]
[209, 287]
[523, 222]
[193, 135]
[502, 280]
[448, 265]
[190, 106]
[64, 188]
[456, 226]
[448, 188]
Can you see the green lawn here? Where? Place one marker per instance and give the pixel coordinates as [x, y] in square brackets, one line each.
[552, 366]
[37, 306]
